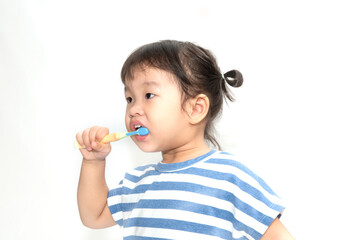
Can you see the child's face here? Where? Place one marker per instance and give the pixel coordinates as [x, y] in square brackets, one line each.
[154, 101]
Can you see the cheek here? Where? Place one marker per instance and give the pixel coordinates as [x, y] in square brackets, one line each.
[167, 120]
[159, 119]
[127, 121]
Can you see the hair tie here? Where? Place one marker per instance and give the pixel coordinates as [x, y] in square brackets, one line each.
[234, 78]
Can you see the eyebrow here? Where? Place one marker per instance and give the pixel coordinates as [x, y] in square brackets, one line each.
[147, 83]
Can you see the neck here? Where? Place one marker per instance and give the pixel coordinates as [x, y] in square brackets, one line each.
[184, 153]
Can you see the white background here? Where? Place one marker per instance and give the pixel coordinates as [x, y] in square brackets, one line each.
[295, 121]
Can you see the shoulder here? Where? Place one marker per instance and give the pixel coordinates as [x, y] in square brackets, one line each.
[250, 193]
[137, 174]
[226, 159]
[134, 177]
[231, 165]
[246, 183]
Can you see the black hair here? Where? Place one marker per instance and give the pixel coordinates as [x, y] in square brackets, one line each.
[196, 70]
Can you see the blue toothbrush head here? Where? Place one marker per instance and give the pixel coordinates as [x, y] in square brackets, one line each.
[143, 131]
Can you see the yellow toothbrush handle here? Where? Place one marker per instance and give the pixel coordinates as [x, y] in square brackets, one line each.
[112, 137]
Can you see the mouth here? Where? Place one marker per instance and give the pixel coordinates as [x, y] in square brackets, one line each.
[137, 126]
[142, 131]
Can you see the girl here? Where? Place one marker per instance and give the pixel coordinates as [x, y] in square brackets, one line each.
[176, 90]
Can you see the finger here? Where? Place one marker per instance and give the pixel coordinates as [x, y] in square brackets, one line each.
[100, 134]
[86, 139]
[92, 135]
[79, 139]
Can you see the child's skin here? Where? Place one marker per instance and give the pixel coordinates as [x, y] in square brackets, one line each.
[154, 101]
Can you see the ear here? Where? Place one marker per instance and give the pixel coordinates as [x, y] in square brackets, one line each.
[197, 108]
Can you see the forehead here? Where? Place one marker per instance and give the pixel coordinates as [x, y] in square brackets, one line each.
[148, 76]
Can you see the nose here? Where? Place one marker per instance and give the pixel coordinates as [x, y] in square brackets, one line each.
[135, 109]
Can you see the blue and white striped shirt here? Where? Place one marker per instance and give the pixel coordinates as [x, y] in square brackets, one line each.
[213, 196]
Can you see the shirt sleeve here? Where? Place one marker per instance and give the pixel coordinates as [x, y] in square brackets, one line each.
[261, 204]
[122, 198]
[115, 203]
[256, 205]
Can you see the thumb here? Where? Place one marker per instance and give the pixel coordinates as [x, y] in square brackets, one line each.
[100, 147]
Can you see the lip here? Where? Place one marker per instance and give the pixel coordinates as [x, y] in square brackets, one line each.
[140, 138]
[135, 122]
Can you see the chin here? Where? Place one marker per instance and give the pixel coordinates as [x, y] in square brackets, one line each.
[147, 147]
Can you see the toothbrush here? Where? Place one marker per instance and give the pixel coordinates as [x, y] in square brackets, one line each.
[112, 137]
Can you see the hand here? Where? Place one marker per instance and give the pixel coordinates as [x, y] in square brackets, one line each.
[90, 139]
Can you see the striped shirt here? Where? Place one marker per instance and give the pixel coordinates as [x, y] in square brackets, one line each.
[210, 197]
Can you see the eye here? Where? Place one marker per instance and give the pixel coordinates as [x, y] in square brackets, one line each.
[149, 95]
[129, 100]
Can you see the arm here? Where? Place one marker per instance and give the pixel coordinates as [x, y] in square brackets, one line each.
[277, 231]
[92, 188]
